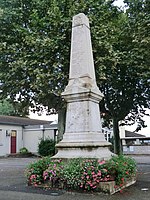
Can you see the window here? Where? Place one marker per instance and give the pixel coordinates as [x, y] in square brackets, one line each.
[13, 133]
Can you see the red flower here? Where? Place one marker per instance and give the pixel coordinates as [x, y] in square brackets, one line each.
[122, 179]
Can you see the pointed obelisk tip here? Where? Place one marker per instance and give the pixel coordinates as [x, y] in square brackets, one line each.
[80, 19]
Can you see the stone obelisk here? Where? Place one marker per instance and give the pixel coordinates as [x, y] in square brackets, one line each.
[83, 135]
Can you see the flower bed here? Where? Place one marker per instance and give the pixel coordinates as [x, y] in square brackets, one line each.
[83, 174]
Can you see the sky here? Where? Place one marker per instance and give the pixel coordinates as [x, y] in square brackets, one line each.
[43, 116]
[119, 3]
[144, 131]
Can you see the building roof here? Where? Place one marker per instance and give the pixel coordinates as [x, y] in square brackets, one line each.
[133, 134]
[42, 126]
[21, 121]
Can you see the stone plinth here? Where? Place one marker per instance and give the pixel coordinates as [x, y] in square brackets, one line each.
[83, 133]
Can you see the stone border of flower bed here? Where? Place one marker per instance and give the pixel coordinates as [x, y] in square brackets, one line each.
[108, 187]
[111, 188]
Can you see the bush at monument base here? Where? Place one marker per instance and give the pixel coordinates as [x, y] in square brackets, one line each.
[82, 174]
[46, 147]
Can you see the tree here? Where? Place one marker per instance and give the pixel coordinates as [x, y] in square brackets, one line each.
[138, 13]
[6, 108]
[125, 83]
[13, 109]
[35, 45]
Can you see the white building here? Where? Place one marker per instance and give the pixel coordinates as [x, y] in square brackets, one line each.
[132, 142]
[18, 132]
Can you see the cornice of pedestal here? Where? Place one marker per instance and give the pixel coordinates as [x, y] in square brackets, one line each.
[82, 95]
[82, 89]
[83, 144]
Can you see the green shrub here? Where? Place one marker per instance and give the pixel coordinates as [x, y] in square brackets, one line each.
[85, 174]
[54, 172]
[72, 173]
[34, 171]
[23, 150]
[121, 167]
[46, 147]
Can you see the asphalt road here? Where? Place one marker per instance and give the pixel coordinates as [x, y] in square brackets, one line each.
[13, 184]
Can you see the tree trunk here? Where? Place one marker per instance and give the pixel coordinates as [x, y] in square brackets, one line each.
[61, 123]
[117, 141]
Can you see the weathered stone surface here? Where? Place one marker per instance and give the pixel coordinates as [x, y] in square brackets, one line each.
[111, 188]
[81, 63]
[83, 133]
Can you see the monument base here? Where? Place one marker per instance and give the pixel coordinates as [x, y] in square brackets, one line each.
[99, 150]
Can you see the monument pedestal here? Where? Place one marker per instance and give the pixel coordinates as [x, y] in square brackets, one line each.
[83, 135]
[83, 151]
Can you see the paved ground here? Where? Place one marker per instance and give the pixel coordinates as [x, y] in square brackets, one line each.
[13, 184]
